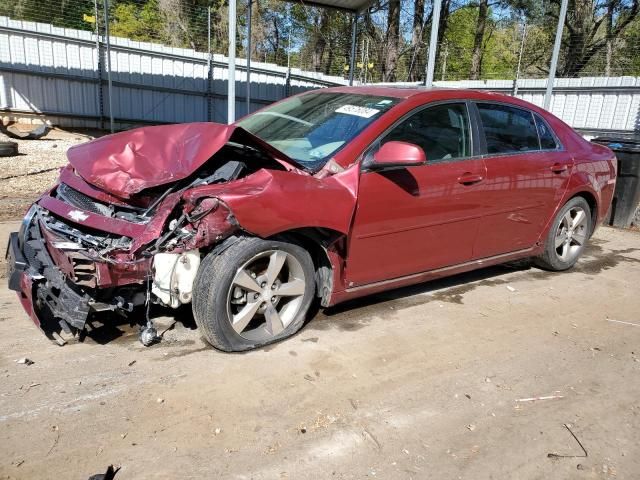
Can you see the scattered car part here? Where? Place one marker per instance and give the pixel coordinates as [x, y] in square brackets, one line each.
[8, 149]
[36, 132]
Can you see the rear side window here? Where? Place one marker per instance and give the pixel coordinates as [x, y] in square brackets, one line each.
[547, 138]
[508, 129]
[442, 131]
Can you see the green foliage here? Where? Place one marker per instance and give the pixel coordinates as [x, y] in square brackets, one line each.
[68, 14]
[136, 21]
[316, 39]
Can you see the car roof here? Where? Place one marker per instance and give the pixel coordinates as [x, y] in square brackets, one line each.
[427, 94]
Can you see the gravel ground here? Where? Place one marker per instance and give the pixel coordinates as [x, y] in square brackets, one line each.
[436, 381]
[24, 177]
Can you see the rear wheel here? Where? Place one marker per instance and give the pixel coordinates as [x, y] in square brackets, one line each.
[567, 237]
[254, 293]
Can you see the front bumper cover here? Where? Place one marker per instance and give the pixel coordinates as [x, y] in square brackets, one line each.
[40, 283]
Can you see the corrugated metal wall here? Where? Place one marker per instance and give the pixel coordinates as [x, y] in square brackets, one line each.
[55, 71]
[589, 103]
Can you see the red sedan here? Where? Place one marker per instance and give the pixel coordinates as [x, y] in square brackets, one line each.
[325, 196]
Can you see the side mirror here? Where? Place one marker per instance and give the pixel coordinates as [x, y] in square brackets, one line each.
[398, 155]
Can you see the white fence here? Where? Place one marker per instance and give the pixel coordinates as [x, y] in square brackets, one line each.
[589, 103]
[53, 72]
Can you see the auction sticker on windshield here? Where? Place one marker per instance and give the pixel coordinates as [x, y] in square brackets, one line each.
[363, 112]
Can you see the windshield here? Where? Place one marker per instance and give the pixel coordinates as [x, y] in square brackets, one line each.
[312, 127]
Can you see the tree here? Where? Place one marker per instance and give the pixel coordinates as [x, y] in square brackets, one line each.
[481, 25]
[392, 41]
[586, 37]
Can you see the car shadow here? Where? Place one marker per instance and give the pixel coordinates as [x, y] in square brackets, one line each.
[355, 314]
[110, 328]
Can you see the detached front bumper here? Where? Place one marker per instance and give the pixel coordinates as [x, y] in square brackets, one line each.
[50, 298]
[40, 283]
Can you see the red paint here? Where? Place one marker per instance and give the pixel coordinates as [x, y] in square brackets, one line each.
[391, 228]
[399, 153]
[126, 163]
[92, 220]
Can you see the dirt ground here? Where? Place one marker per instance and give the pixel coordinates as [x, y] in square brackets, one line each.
[418, 383]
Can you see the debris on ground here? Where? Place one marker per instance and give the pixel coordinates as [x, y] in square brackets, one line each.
[110, 474]
[584, 450]
[624, 323]
[533, 399]
[56, 430]
[25, 361]
[25, 133]
[8, 149]
[510, 288]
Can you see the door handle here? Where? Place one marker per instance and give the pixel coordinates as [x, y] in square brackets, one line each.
[469, 178]
[559, 167]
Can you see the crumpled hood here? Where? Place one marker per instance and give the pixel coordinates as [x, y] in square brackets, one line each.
[126, 163]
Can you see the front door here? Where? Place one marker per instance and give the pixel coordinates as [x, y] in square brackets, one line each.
[421, 218]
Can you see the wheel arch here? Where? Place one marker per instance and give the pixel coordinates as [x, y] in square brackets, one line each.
[593, 205]
[326, 250]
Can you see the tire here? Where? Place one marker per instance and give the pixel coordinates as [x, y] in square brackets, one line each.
[8, 149]
[567, 236]
[236, 293]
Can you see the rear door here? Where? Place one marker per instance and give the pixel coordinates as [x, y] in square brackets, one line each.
[527, 173]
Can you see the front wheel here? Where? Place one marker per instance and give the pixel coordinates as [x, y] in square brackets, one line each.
[253, 293]
[567, 236]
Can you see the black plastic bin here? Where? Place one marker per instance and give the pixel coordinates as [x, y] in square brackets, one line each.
[627, 194]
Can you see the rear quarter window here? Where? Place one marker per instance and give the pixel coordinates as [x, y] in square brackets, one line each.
[508, 129]
[547, 137]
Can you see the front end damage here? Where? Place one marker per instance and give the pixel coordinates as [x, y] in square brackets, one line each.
[134, 213]
[66, 263]
[82, 250]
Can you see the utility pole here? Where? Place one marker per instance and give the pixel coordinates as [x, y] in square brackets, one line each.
[354, 36]
[433, 47]
[209, 70]
[110, 85]
[249, 56]
[231, 87]
[554, 56]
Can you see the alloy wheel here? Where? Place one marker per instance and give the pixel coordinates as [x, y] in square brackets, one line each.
[266, 295]
[571, 234]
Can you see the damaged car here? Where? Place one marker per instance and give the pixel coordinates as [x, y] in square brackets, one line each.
[320, 198]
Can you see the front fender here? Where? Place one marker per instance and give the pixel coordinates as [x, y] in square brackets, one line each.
[270, 201]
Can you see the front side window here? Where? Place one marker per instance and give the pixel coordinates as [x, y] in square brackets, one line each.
[313, 127]
[442, 131]
[508, 129]
[547, 138]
